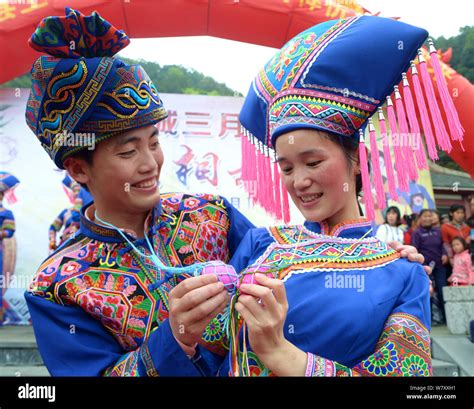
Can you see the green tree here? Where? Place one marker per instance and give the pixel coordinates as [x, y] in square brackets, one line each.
[463, 51]
[463, 62]
[173, 79]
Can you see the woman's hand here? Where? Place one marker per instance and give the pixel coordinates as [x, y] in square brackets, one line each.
[263, 308]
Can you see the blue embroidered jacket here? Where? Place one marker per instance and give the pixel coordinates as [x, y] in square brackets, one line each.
[93, 304]
[354, 305]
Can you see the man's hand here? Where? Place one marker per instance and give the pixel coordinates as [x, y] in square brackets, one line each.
[444, 259]
[406, 251]
[193, 303]
[411, 253]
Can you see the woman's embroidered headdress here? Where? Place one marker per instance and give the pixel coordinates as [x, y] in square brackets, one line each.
[334, 77]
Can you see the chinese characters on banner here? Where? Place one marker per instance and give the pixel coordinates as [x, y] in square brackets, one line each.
[201, 143]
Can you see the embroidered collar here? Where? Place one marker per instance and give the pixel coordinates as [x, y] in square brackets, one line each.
[90, 228]
[347, 229]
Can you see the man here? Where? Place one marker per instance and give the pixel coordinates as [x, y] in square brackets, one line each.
[428, 241]
[96, 305]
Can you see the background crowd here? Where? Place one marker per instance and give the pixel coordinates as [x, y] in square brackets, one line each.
[445, 240]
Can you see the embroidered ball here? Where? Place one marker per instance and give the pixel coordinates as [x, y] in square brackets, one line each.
[230, 278]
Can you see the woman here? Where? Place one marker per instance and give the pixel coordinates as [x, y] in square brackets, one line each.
[342, 302]
[391, 230]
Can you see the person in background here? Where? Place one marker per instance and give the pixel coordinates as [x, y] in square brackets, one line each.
[456, 226]
[427, 239]
[436, 218]
[391, 230]
[8, 182]
[461, 263]
[84, 195]
[412, 224]
[68, 221]
[470, 220]
[470, 223]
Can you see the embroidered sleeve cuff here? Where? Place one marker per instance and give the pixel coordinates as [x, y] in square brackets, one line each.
[161, 355]
[318, 366]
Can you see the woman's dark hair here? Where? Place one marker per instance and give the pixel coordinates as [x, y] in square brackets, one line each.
[396, 210]
[463, 242]
[87, 155]
[455, 208]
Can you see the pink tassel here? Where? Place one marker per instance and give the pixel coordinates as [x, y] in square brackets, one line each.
[454, 123]
[269, 200]
[442, 136]
[425, 120]
[277, 185]
[274, 181]
[414, 126]
[246, 157]
[402, 173]
[392, 187]
[285, 203]
[260, 180]
[69, 194]
[368, 200]
[253, 171]
[11, 197]
[377, 172]
[405, 137]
